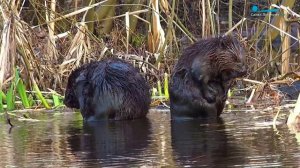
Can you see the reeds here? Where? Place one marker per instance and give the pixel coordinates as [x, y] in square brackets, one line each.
[92, 36]
[17, 94]
[159, 92]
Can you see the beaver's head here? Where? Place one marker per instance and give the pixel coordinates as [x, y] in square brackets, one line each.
[71, 99]
[231, 58]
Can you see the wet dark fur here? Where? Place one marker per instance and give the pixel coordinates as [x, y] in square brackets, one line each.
[204, 73]
[109, 89]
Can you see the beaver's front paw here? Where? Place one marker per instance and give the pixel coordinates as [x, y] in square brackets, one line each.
[210, 96]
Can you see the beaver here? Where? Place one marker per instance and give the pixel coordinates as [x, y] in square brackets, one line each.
[108, 89]
[203, 75]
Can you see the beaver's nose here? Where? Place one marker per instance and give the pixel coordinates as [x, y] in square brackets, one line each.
[244, 70]
[66, 101]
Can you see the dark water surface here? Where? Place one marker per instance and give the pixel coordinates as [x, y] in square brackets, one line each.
[64, 140]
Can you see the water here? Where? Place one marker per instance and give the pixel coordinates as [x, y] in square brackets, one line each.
[63, 140]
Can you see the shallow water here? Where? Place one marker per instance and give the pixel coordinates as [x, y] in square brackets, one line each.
[62, 139]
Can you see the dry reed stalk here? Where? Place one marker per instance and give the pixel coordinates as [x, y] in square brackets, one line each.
[133, 5]
[17, 37]
[51, 46]
[79, 48]
[285, 46]
[170, 29]
[130, 13]
[208, 23]
[203, 19]
[8, 47]
[90, 15]
[235, 26]
[76, 8]
[5, 52]
[298, 36]
[282, 33]
[183, 29]
[127, 26]
[230, 14]
[275, 22]
[218, 17]
[211, 19]
[75, 12]
[31, 64]
[285, 36]
[156, 34]
[104, 16]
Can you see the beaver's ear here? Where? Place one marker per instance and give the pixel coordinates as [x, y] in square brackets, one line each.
[81, 77]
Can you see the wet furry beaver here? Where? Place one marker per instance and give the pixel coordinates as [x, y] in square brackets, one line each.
[202, 76]
[108, 89]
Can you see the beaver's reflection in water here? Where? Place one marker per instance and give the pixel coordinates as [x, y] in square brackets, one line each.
[111, 142]
[196, 143]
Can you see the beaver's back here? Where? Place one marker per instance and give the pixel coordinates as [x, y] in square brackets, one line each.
[111, 89]
[202, 49]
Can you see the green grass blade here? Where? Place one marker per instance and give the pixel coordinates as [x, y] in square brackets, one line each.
[30, 100]
[10, 98]
[17, 76]
[56, 100]
[22, 92]
[21, 88]
[166, 86]
[3, 95]
[159, 88]
[40, 96]
[1, 102]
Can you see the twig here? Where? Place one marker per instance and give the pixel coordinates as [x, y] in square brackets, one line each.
[275, 118]
[72, 13]
[251, 97]
[235, 26]
[285, 33]
[8, 119]
[253, 81]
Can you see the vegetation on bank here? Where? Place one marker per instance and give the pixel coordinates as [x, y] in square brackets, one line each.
[43, 41]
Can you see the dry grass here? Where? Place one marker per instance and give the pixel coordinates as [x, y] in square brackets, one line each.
[47, 51]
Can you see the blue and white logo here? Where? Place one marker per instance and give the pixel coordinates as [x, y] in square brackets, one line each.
[254, 8]
[256, 11]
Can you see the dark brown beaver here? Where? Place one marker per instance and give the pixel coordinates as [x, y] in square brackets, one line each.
[201, 78]
[109, 89]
